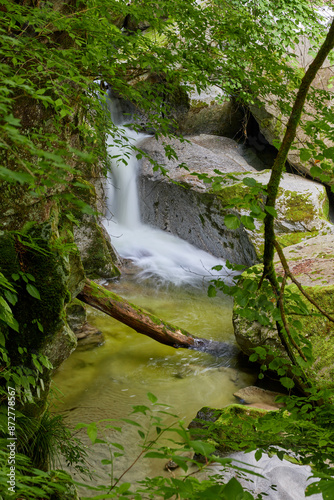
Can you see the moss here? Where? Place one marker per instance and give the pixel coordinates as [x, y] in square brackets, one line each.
[197, 106]
[230, 428]
[50, 272]
[98, 260]
[299, 207]
[288, 239]
[315, 328]
[227, 193]
[323, 255]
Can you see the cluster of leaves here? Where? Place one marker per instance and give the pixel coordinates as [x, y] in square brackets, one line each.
[150, 422]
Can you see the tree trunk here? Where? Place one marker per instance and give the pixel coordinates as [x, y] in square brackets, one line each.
[135, 317]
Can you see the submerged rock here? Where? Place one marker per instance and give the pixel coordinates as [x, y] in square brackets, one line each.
[87, 335]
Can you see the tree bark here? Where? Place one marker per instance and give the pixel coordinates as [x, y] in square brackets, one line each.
[273, 185]
[277, 170]
[140, 320]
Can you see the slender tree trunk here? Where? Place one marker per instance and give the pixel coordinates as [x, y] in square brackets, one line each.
[276, 174]
[140, 320]
[290, 134]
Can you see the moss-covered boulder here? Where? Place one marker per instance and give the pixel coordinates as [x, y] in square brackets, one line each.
[311, 262]
[36, 262]
[194, 208]
[231, 428]
[97, 254]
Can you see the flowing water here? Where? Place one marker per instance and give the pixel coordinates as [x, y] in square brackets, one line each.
[168, 277]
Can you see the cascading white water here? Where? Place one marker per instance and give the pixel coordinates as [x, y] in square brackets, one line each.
[158, 254]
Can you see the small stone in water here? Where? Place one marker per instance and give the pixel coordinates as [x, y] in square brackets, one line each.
[170, 465]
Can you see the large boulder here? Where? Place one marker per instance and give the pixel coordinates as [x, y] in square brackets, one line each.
[272, 121]
[311, 262]
[193, 208]
[208, 114]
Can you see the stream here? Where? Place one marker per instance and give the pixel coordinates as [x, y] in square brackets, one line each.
[166, 276]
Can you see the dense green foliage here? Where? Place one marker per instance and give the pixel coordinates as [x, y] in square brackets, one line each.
[54, 56]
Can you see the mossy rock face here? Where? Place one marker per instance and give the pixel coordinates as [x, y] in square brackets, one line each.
[230, 428]
[314, 327]
[76, 314]
[97, 255]
[50, 271]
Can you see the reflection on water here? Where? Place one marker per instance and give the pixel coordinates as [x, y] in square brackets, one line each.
[106, 381]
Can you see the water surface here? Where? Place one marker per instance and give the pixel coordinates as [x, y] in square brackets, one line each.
[106, 381]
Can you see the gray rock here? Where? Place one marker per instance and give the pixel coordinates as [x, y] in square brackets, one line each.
[290, 479]
[185, 205]
[210, 114]
[272, 122]
[255, 395]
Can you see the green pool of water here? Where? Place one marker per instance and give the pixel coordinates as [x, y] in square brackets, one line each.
[107, 380]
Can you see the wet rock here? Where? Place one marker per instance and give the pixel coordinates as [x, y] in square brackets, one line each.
[259, 398]
[88, 337]
[171, 465]
[210, 114]
[290, 479]
[76, 314]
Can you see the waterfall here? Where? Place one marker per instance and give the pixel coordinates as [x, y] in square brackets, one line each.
[157, 254]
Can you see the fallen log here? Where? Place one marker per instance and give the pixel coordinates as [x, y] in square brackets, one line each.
[135, 317]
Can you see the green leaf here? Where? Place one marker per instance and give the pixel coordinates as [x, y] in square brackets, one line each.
[316, 171]
[231, 221]
[123, 488]
[212, 292]
[131, 422]
[202, 447]
[32, 290]
[11, 297]
[248, 222]
[117, 445]
[11, 176]
[233, 490]
[305, 154]
[140, 409]
[92, 432]
[249, 181]
[271, 211]
[287, 382]
[152, 398]
[155, 454]
[329, 153]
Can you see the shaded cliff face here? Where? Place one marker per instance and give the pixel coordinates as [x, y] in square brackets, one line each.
[44, 162]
